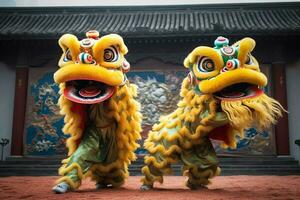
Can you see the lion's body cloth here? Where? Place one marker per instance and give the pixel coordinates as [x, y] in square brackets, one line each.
[183, 136]
[97, 147]
[99, 152]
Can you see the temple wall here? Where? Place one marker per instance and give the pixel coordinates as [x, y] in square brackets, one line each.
[7, 88]
[293, 83]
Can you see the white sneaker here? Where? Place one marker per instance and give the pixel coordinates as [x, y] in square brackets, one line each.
[61, 188]
[100, 186]
[146, 187]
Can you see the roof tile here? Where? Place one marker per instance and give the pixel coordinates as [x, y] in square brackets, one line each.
[165, 21]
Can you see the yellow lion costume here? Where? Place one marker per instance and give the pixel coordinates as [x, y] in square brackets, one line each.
[101, 115]
[221, 97]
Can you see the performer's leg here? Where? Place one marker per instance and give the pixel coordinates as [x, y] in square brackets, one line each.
[200, 178]
[77, 165]
[163, 151]
[73, 171]
[200, 164]
[113, 178]
[156, 167]
[99, 179]
[117, 178]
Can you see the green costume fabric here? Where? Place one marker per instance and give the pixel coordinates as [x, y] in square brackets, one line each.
[200, 157]
[98, 144]
[170, 144]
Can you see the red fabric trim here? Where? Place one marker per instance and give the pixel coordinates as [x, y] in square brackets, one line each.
[221, 133]
[80, 109]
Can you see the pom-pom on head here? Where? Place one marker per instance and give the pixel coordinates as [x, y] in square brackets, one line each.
[125, 66]
[92, 34]
[221, 42]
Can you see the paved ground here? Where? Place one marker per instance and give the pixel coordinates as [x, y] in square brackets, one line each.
[224, 187]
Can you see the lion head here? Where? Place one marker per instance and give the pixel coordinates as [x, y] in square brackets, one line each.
[232, 77]
[92, 68]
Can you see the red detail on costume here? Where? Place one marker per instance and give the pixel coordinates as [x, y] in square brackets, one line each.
[69, 94]
[191, 78]
[234, 96]
[90, 58]
[220, 38]
[80, 109]
[221, 133]
[90, 91]
[229, 64]
[126, 66]
[92, 34]
[228, 50]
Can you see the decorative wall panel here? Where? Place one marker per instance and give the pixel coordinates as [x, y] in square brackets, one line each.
[43, 135]
[158, 95]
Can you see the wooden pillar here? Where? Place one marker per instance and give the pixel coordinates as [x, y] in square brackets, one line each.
[280, 94]
[19, 111]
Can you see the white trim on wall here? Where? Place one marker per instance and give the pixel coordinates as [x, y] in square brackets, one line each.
[293, 97]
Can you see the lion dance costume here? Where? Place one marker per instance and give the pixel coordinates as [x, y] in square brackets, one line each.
[220, 97]
[101, 115]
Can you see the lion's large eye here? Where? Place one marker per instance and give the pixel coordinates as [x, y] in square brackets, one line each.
[111, 54]
[68, 56]
[205, 65]
[249, 60]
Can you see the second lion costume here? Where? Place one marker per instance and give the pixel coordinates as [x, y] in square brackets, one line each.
[101, 114]
[220, 98]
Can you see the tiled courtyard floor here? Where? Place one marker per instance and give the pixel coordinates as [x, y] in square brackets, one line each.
[224, 187]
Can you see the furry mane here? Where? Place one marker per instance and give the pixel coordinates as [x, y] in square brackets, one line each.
[123, 108]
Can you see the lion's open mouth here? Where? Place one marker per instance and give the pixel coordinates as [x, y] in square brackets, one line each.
[238, 91]
[87, 91]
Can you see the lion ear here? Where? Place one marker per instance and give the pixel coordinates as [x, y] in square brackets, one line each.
[245, 47]
[69, 42]
[110, 40]
[186, 62]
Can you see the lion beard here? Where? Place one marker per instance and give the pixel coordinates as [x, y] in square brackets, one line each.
[259, 112]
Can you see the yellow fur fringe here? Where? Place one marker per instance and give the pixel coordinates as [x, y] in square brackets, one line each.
[260, 112]
[188, 110]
